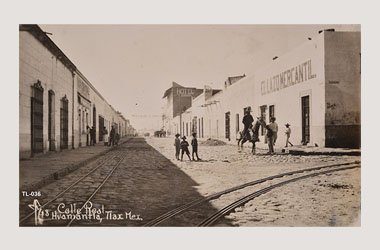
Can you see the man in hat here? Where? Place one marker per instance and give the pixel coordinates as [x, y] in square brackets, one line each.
[288, 131]
[247, 121]
[194, 144]
[272, 129]
[184, 147]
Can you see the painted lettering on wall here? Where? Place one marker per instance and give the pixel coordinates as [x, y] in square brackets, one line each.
[297, 74]
[185, 92]
[83, 89]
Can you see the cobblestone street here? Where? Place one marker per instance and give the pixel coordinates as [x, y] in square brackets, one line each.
[144, 186]
[150, 182]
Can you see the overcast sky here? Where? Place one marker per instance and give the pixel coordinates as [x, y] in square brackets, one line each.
[132, 65]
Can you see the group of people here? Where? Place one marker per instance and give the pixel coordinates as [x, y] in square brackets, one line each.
[271, 130]
[109, 140]
[183, 147]
[271, 137]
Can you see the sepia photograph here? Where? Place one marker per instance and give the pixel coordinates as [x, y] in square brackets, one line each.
[190, 125]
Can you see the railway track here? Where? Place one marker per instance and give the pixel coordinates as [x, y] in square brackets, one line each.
[217, 215]
[105, 167]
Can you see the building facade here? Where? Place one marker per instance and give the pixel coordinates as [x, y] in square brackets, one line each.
[315, 88]
[177, 99]
[57, 103]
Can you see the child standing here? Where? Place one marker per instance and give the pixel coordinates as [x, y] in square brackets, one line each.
[194, 144]
[177, 144]
[184, 145]
[288, 131]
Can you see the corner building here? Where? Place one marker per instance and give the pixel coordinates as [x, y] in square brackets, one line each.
[56, 101]
[315, 88]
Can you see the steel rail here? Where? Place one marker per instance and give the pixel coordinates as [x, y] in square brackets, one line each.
[101, 164]
[191, 204]
[213, 218]
[100, 186]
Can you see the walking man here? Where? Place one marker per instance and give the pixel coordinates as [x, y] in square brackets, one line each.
[288, 131]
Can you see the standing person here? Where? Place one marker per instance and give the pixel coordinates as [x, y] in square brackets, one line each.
[184, 147]
[88, 140]
[271, 127]
[288, 131]
[93, 136]
[274, 129]
[194, 144]
[105, 136]
[177, 144]
[112, 137]
[239, 137]
[117, 138]
[247, 121]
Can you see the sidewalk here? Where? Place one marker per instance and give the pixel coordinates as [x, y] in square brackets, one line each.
[300, 149]
[45, 168]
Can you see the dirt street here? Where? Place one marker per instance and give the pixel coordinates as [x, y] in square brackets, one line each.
[325, 200]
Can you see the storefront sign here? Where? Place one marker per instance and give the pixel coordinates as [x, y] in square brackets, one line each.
[297, 74]
[185, 92]
[83, 89]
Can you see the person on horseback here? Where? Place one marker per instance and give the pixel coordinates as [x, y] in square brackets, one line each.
[247, 121]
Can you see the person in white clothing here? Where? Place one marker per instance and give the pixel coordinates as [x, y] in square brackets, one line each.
[288, 131]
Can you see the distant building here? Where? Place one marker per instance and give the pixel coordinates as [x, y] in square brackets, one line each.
[176, 100]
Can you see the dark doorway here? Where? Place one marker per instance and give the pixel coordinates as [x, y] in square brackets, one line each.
[51, 120]
[271, 111]
[94, 121]
[195, 125]
[37, 117]
[64, 123]
[305, 119]
[101, 127]
[227, 118]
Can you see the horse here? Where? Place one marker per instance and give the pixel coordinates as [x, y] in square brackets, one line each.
[253, 134]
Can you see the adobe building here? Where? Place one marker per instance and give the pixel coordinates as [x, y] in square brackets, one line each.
[56, 101]
[315, 88]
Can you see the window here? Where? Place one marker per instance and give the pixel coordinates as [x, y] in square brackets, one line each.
[51, 121]
[64, 123]
[37, 117]
[271, 111]
[305, 119]
[227, 125]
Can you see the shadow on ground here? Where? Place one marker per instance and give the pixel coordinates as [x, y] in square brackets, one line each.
[148, 184]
